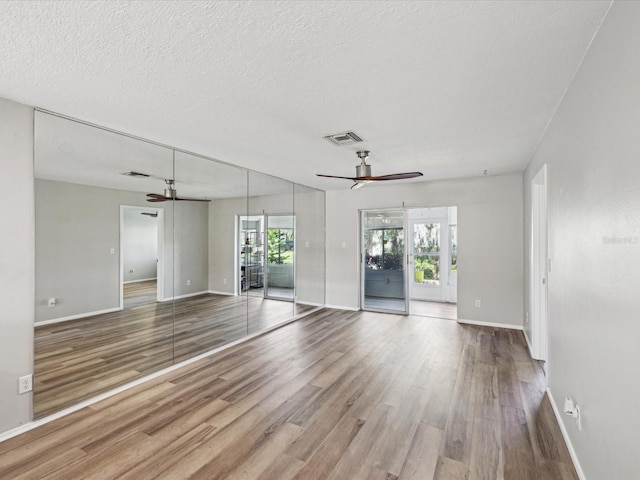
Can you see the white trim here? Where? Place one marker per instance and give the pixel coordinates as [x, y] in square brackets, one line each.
[489, 324]
[311, 304]
[343, 307]
[526, 337]
[138, 281]
[75, 317]
[216, 292]
[90, 401]
[565, 435]
[186, 295]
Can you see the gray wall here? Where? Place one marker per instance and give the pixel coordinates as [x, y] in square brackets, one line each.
[16, 261]
[489, 237]
[76, 228]
[139, 245]
[592, 148]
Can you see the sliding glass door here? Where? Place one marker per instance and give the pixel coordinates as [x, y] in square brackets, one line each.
[280, 250]
[383, 261]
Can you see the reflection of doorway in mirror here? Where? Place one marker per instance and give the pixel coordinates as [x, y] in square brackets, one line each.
[140, 255]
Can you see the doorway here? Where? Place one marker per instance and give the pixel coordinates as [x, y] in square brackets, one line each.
[383, 273]
[433, 254]
[280, 257]
[539, 265]
[426, 240]
[266, 264]
[141, 240]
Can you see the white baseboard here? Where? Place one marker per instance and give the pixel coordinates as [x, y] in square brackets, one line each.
[75, 317]
[489, 324]
[186, 295]
[138, 281]
[342, 307]
[526, 338]
[565, 435]
[85, 403]
[311, 304]
[216, 292]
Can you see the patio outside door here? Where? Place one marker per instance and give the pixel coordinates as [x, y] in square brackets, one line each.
[432, 256]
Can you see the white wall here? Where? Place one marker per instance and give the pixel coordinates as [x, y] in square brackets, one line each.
[139, 245]
[592, 149]
[489, 238]
[16, 261]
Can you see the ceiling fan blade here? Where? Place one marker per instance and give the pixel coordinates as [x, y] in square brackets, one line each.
[192, 199]
[156, 195]
[154, 199]
[392, 176]
[336, 176]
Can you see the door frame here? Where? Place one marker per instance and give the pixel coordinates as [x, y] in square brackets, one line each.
[538, 270]
[160, 246]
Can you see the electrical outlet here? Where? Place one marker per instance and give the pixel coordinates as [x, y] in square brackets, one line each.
[188, 282]
[25, 384]
[526, 317]
[224, 281]
[478, 304]
[52, 302]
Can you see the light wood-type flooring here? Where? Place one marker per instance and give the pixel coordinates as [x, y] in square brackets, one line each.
[78, 359]
[334, 395]
[139, 293]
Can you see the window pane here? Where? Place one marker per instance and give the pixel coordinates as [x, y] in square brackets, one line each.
[427, 269]
[426, 238]
[384, 249]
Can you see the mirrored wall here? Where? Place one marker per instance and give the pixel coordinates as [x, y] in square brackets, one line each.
[147, 256]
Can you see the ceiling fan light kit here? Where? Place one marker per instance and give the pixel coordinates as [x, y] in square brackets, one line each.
[363, 173]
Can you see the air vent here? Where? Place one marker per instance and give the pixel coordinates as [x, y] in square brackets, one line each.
[136, 174]
[346, 138]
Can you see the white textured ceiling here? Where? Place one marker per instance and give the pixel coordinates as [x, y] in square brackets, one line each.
[448, 88]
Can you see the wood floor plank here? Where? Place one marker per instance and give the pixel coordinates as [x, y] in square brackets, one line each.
[336, 395]
[422, 457]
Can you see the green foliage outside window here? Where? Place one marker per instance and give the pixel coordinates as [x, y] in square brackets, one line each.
[280, 245]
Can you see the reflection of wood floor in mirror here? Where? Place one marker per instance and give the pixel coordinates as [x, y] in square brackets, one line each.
[416, 307]
[77, 359]
[140, 293]
[334, 395]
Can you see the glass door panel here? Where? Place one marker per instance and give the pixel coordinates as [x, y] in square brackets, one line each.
[383, 254]
[280, 257]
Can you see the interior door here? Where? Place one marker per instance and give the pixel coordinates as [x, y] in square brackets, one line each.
[280, 257]
[383, 273]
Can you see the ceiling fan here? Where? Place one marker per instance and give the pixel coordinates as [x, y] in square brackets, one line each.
[363, 173]
[170, 194]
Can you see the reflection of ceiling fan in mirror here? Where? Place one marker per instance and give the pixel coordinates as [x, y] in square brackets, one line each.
[363, 173]
[170, 194]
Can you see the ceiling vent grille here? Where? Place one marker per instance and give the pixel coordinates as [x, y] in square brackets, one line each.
[346, 138]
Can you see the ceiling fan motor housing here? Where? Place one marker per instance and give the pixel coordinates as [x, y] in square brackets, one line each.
[363, 170]
[169, 193]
